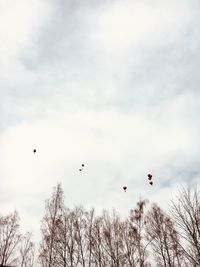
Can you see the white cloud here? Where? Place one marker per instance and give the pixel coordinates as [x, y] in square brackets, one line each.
[18, 22]
[130, 25]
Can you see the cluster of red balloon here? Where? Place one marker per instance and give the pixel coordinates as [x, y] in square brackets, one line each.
[149, 175]
[150, 178]
[82, 166]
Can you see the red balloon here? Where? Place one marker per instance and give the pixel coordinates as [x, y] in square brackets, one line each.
[149, 176]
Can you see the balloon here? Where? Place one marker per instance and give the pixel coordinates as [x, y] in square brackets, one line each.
[149, 176]
[34, 150]
[151, 183]
[82, 165]
[124, 187]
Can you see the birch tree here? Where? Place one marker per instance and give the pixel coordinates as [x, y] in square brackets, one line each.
[9, 238]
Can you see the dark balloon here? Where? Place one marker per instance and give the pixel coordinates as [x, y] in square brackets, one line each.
[151, 183]
[82, 165]
[80, 170]
[34, 150]
[149, 176]
[124, 187]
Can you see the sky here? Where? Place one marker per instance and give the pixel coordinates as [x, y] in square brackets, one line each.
[111, 84]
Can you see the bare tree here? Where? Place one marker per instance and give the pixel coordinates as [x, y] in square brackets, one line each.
[9, 238]
[130, 244]
[74, 238]
[137, 229]
[100, 257]
[26, 251]
[112, 239]
[66, 245]
[50, 223]
[186, 213]
[90, 217]
[80, 230]
[164, 238]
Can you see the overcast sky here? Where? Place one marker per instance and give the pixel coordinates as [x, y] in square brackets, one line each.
[111, 84]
